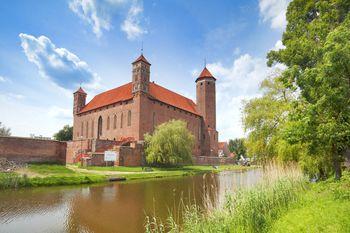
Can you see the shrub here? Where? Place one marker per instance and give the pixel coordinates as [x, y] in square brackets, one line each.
[171, 144]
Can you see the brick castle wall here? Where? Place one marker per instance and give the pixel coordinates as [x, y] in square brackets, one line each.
[25, 150]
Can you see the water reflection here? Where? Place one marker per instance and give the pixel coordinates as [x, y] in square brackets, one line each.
[115, 207]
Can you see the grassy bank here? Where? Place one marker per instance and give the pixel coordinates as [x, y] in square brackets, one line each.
[49, 174]
[284, 202]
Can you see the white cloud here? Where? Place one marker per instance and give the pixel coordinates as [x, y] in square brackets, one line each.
[279, 45]
[235, 83]
[274, 12]
[2, 79]
[98, 14]
[61, 66]
[131, 25]
[58, 112]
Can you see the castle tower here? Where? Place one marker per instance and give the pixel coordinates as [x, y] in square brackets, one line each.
[206, 103]
[140, 75]
[79, 100]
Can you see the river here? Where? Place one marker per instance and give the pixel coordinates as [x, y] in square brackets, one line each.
[113, 207]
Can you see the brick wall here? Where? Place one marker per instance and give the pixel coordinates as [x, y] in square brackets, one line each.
[26, 150]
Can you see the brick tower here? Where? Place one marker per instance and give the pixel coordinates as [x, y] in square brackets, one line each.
[79, 100]
[140, 75]
[206, 104]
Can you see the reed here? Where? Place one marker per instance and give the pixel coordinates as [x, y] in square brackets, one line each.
[247, 210]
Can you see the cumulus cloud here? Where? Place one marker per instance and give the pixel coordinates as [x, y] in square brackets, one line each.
[131, 25]
[61, 66]
[278, 45]
[98, 14]
[235, 83]
[2, 79]
[274, 12]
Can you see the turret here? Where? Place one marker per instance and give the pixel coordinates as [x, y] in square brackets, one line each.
[140, 75]
[206, 102]
[79, 100]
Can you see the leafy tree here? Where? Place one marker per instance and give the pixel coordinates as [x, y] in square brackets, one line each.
[317, 56]
[65, 134]
[237, 146]
[170, 144]
[4, 132]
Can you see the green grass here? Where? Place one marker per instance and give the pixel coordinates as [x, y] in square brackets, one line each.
[324, 208]
[45, 169]
[53, 174]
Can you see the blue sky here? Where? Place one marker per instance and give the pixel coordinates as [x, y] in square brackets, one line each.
[49, 48]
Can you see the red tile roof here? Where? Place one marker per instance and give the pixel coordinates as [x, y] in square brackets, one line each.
[112, 96]
[205, 74]
[166, 96]
[141, 58]
[157, 92]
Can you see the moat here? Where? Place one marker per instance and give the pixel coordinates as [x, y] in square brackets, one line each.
[112, 207]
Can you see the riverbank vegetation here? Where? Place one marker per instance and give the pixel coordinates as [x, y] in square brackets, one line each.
[50, 174]
[285, 201]
[304, 113]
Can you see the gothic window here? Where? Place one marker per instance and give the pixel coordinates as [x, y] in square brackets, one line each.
[154, 121]
[92, 128]
[99, 128]
[121, 121]
[87, 129]
[129, 118]
[108, 123]
[82, 129]
[115, 122]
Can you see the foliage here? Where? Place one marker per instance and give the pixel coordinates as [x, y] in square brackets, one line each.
[171, 144]
[237, 146]
[65, 134]
[316, 122]
[4, 132]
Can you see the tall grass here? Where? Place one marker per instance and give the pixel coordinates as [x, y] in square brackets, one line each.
[247, 210]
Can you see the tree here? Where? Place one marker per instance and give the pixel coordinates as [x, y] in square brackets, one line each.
[317, 56]
[4, 132]
[237, 146]
[65, 134]
[171, 144]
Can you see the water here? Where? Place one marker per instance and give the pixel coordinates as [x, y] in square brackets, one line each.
[113, 207]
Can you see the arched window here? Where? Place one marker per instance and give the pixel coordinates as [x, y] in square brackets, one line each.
[92, 128]
[99, 128]
[115, 122]
[87, 129]
[82, 129]
[153, 121]
[129, 117]
[121, 121]
[108, 123]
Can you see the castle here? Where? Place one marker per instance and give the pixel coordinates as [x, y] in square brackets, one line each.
[136, 108]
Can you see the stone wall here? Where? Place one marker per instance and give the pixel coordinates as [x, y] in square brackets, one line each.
[25, 150]
[206, 160]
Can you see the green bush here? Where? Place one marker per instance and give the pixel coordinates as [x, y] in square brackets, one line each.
[171, 144]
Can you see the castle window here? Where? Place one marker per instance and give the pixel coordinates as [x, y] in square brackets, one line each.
[108, 123]
[121, 121]
[92, 128]
[208, 83]
[99, 128]
[201, 84]
[87, 129]
[115, 122]
[153, 121]
[129, 118]
[82, 129]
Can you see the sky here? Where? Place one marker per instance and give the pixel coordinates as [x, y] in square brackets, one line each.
[49, 48]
